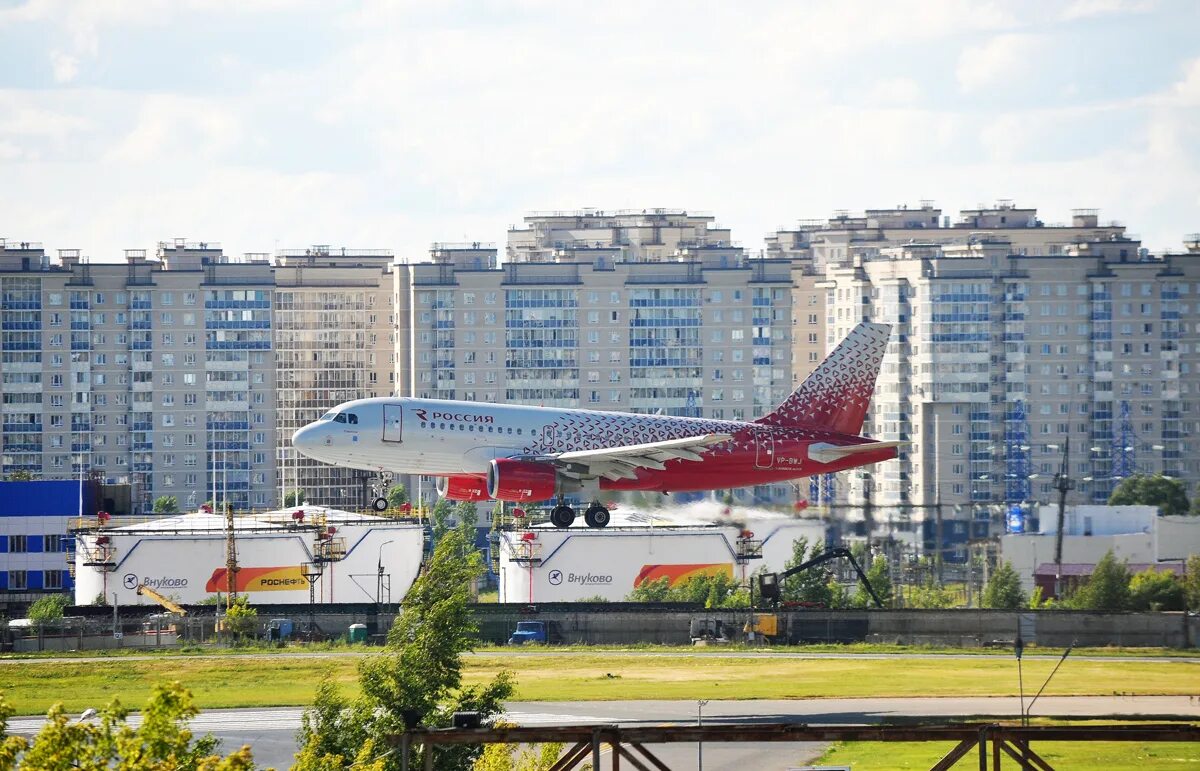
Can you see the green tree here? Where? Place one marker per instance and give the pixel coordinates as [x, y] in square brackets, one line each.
[1169, 495]
[166, 504]
[1106, 589]
[162, 741]
[881, 582]
[1191, 582]
[1003, 590]
[718, 590]
[809, 586]
[1156, 590]
[504, 757]
[397, 496]
[439, 519]
[467, 514]
[21, 476]
[241, 620]
[417, 679]
[292, 498]
[49, 608]
[930, 595]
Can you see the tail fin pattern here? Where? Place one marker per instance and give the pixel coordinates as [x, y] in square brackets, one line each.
[836, 395]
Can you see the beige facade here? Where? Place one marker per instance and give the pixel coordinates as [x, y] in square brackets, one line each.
[650, 313]
[1006, 342]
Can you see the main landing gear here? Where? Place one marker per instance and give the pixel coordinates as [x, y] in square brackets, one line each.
[379, 491]
[563, 515]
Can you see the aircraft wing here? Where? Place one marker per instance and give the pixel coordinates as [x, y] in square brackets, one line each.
[622, 462]
[822, 452]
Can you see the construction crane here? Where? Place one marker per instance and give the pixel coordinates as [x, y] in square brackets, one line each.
[768, 583]
[161, 600]
[231, 563]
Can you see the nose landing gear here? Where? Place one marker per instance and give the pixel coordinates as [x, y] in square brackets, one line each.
[379, 491]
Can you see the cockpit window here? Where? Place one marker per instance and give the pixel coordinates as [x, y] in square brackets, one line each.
[339, 418]
[327, 416]
[352, 418]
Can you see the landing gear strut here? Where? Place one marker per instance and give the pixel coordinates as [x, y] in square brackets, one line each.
[596, 515]
[379, 491]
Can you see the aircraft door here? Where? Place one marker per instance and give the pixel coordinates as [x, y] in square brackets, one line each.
[764, 449]
[393, 422]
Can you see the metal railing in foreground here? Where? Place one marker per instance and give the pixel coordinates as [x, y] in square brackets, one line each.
[628, 743]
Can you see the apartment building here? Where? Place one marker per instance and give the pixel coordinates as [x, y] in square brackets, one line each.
[639, 312]
[1007, 342]
[162, 371]
[334, 341]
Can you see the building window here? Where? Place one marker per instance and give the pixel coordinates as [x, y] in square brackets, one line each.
[18, 544]
[52, 579]
[17, 580]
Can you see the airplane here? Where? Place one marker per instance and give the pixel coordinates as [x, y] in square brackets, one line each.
[484, 451]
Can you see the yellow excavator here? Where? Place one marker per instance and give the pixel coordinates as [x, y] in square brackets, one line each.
[171, 606]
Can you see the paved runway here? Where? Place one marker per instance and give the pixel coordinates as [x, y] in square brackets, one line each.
[271, 732]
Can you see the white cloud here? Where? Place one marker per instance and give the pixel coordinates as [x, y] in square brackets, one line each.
[65, 67]
[1002, 59]
[1083, 9]
[897, 91]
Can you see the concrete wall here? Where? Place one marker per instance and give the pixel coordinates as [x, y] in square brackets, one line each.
[951, 628]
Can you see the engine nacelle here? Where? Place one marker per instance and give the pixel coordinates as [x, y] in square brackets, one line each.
[463, 487]
[521, 481]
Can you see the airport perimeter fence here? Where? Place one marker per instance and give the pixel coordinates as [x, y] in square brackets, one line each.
[632, 624]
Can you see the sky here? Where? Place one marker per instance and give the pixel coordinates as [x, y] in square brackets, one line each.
[273, 124]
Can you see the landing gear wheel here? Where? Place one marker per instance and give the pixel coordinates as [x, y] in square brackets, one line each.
[562, 515]
[380, 504]
[596, 516]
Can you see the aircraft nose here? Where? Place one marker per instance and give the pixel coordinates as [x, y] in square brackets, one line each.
[305, 439]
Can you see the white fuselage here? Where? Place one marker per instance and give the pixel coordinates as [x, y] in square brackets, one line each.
[443, 438]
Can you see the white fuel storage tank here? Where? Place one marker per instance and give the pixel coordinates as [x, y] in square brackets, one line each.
[547, 564]
[359, 558]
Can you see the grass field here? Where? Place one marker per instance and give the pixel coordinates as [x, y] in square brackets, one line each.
[231, 681]
[1107, 755]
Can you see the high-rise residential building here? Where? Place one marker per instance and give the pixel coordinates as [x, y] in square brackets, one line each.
[645, 312]
[333, 343]
[162, 371]
[1009, 339]
[157, 372]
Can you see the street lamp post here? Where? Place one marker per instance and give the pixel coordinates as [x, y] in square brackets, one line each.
[311, 572]
[379, 574]
[700, 739]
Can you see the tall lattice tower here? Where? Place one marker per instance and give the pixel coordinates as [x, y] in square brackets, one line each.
[1017, 488]
[1124, 451]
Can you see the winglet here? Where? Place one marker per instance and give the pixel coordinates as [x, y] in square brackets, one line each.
[836, 395]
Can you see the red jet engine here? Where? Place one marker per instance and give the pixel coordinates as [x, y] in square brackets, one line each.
[521, 480]
[463, 487]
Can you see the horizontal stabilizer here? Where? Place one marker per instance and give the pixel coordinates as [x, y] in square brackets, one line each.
[823, 452]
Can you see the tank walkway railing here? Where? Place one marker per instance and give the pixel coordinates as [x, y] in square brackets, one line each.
[991, 741]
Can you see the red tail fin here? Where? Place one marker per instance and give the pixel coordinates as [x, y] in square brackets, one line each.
[836, 395]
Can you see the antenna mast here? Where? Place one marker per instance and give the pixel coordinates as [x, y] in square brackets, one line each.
[231, 563]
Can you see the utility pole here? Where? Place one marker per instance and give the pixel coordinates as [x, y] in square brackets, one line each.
[1064, 484]
[231, 562]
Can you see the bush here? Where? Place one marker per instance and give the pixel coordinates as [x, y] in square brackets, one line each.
[1156, 590]
[1003, 590]
[1106, 589]
[241, 620]
[49, 608]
